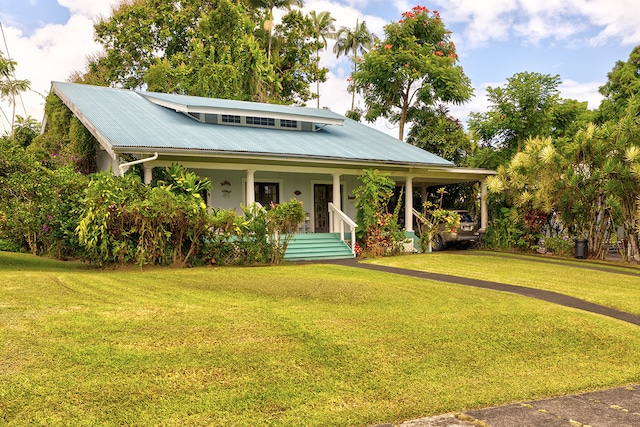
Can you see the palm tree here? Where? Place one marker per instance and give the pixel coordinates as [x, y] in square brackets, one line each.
[10, 87]
[359, 40]
[324, 27]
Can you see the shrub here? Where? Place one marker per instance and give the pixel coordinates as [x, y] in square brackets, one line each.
[561, 246]
[506, 231]
[39, 206]
[378, 229]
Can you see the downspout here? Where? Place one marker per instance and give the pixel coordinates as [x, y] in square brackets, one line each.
[137, 162]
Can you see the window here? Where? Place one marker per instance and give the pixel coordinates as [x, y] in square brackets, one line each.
[226, 118]
[292, 124]
[267, 192]
[261, 121]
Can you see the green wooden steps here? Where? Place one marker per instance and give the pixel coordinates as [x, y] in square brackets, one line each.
[317, 246]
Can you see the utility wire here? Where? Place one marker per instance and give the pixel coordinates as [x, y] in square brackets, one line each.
[15, 79]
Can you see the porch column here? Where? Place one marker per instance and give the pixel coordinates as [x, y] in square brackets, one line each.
[148, 174]
[408, 204]
[484, 216]
[251, 190]
[336, 201]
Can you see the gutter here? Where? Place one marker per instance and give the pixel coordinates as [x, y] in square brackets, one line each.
[136, 162]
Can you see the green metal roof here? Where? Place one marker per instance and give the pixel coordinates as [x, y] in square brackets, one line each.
[130, 121]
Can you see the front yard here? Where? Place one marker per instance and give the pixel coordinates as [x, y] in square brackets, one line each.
[314, 345]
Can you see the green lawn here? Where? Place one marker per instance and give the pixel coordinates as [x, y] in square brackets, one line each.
[570, 277]
[313, 345]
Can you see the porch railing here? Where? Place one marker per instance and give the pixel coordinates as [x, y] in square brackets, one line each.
[338, 221]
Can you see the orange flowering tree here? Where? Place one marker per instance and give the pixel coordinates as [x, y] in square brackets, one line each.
[415, 66]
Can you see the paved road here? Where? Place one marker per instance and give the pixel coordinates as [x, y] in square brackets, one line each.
[617, 407]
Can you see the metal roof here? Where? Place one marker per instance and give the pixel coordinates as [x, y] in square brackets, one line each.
[128, 122]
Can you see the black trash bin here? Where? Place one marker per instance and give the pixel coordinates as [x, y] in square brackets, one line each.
[581, 248]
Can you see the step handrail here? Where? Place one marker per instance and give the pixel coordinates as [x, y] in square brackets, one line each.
[342, 221]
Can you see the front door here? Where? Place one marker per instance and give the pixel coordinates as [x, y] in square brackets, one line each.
[322, 195]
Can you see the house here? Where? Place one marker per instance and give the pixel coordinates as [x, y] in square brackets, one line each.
[255, 152]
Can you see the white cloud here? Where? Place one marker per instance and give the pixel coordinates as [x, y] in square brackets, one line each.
[52, 53]
[88, 8]
[535, 20]
[588, 91]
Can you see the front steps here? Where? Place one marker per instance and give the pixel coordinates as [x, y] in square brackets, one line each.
[317, 246]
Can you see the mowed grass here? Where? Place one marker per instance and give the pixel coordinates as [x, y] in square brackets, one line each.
[312, 345]
[617, 287]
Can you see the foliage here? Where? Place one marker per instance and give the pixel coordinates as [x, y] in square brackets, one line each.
[10, 86]
[623, 83]
[38, 205]
[282, 220]
[588, 181]
[414, 67]
[432, 219]
[378, 229]
[217, 48]
[180, 182]
[562, 246]
[65, 141]
[221, 58]
[355, 42]
[124, 221]
[507, 231]
[294, 45]
[324, 27]
[436, 131]
[521, 109]
[25, 130]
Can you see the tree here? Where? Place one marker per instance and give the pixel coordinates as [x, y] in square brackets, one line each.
[25, 130]
[414, 67]
[357, 41]
[10, 87]
[523, 108]
[294, 46]
[590, 182]
[323, 24]
[217, 48]
[623, 82]
[268, 23]
[438, 132]
[222, 59]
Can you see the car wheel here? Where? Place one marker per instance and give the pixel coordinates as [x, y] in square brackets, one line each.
[437, 244]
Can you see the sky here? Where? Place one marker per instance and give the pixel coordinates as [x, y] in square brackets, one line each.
[579, 40]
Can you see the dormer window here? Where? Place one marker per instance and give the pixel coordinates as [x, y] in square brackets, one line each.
[261, 121]
[213, 111]
[227, 118]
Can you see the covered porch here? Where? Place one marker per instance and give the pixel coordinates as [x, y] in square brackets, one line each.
[325, 189]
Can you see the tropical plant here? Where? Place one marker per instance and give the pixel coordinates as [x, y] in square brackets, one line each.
[65, 140]
[25, 130]
[282, 221]
[10, 87]
[38, 205]
[432, 219]
[378, 229]
[180, 182]
[323, 24]
[355, 42]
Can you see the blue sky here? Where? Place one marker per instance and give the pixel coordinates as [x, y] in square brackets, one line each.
[578, 39]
